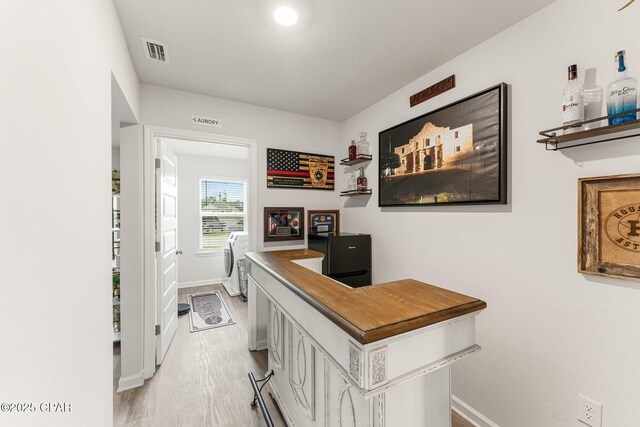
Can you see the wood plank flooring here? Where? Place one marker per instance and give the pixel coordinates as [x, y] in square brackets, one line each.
[458, 421]
[203, 379]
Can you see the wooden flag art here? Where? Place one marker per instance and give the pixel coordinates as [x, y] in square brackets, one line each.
[292, 169]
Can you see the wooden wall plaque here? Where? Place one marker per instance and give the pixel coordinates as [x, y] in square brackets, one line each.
[609, 226]
[434, 90]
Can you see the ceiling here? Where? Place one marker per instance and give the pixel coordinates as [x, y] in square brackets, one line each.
[206, 149]
[341, 57]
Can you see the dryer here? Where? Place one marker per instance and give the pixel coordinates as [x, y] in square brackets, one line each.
[235, 248]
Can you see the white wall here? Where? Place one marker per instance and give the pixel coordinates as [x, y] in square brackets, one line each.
[56, 316]
[131, 260]
[194, 267]
[115, 154]
[271, 128]
[548, 333]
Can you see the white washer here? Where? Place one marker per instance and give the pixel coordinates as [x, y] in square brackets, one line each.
[235, 248]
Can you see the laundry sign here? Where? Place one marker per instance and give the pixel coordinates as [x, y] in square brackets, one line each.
[206, 121]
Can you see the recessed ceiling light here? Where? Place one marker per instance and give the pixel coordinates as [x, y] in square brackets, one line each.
[285, 16]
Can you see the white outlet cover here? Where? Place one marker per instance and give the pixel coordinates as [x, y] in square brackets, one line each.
[589, 411]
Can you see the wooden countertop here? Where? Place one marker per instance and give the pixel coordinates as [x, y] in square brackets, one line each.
[368, 313]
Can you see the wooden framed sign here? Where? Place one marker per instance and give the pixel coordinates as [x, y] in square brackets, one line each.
[609, 226]
[432, 91]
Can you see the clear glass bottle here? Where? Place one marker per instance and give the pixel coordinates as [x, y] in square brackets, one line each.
[573, 102]
[363, 144]
[593, 99]
[352, 184]
[622, 93]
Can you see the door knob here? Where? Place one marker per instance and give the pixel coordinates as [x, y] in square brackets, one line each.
[178, 252]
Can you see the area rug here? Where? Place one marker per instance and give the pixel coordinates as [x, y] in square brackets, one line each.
[208, 310]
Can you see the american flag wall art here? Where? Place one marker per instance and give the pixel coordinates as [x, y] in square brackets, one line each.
[293, 169]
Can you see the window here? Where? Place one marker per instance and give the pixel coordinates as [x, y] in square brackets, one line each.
[457, 148]
[222, 210]
[456, 136]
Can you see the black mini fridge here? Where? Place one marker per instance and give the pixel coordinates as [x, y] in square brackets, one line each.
[347, 256]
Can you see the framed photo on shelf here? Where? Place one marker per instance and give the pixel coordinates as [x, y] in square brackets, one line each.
[609, 226]
[283, 224]
[323, 221]
[456, 154]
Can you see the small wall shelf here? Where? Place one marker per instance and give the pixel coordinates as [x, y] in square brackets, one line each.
[554, 142]
[350, 193]
[360, 158]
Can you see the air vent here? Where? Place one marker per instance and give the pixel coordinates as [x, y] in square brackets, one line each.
[156, 51]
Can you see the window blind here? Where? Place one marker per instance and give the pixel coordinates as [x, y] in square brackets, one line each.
[222, 211]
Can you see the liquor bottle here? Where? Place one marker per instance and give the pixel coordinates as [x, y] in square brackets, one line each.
[622, 94]
[352, 150]
[362, 181]
[593, 99]
[573, 102]
[353, 182]
[363, 144]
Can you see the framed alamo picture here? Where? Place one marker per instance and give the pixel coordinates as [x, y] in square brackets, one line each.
[456, 154]
[609, 226]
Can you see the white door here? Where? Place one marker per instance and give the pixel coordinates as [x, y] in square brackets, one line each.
[166, 261]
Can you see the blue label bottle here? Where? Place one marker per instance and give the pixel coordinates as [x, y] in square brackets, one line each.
[622, 94]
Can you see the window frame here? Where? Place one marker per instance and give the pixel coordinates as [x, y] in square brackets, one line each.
[202, 251]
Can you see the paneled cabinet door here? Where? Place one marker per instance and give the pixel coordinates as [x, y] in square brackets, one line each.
[301, 366]
[275, 336]
[345, 407]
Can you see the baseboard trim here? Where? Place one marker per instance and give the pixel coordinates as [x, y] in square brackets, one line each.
[131, 381]
[470, 414]
[199, 283]
[261, 345]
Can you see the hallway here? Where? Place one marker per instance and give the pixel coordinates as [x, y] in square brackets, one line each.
[203, 379]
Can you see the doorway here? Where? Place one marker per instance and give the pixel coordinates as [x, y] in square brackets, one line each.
[125, 272]
[209, 166]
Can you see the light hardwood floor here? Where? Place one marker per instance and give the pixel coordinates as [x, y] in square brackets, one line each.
[203, 379]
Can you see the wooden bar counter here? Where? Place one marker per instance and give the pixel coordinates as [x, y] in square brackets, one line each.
[373, 356]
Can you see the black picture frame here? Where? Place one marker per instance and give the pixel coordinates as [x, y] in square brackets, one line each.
[448, 170]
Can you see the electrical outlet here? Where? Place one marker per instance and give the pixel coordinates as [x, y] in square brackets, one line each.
[589, 411]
